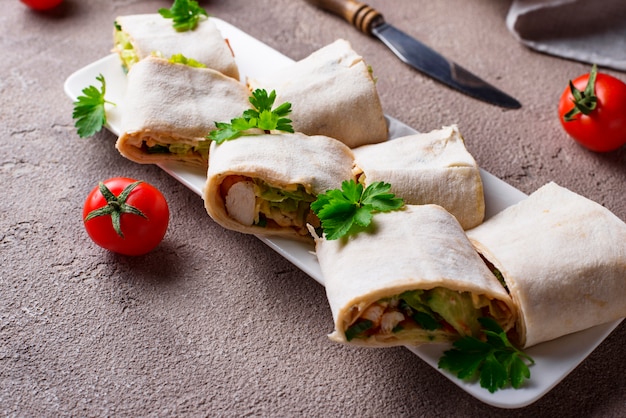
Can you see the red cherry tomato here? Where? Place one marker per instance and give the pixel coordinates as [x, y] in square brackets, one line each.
[599, 126]
[141, 209]
[42, 4]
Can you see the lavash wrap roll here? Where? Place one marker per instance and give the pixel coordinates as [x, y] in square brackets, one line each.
[421, 247]
[428, 168]
[152, 33]
[332, 93]
[563, 258]
[284, 161]
[175, 106]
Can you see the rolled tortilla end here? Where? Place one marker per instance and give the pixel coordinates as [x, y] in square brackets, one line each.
[332, 93]
[264, 184]
[412, 278]
[139, 36]
[428, 168]
[169, 109]
[563, 258]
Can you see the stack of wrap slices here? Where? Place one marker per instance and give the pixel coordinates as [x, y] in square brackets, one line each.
[551, 265]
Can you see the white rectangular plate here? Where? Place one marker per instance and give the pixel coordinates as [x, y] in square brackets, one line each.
[553, 360]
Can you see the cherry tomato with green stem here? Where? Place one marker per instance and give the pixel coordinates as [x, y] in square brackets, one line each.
[126, 216]
[42, 4]
[592, 111]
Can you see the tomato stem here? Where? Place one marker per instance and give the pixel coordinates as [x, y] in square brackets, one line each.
[116, 205]
[584, 101]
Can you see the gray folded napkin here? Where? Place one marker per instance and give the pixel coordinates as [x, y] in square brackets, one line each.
[592, 31]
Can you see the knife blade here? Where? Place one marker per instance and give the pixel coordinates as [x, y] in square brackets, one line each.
[415, 53]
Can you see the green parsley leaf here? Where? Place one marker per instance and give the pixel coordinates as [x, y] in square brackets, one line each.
[377, 196]
[343, 211]
[185, 14]
[262, 116]
[261, 100]
[89, 110]
[181, 59]
[224, 132]
[496, 361]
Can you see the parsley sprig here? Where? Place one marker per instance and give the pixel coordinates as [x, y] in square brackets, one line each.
[185, 14]
[495, 360]
[342, 211]
[89, 110]
[262, 116]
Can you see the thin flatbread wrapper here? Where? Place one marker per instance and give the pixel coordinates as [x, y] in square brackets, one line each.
[332, 93]
[563, 258]
[169, 109]
[428, 168]
[251, 179]
[418, 248]
[142, 35]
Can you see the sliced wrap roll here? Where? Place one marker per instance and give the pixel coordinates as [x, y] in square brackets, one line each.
[425, 168]
[169, 108]
[332, 93]
[415, 276]
[264, 184]
[563, 258]
[138, 36]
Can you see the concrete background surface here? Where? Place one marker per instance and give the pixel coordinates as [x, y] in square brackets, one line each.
[215, 323]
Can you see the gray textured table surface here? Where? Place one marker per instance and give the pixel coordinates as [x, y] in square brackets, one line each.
[216, 323]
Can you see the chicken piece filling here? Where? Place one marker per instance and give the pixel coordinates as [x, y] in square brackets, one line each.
[437, 309]
[251, 201]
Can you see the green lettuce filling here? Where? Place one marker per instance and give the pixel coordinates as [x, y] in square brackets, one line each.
[419, 311]
[500, 277]
[181, 59]
[456, 308]
[293, 204]
[124, 47]
[429, 310]
[201, 148]
[358, 328]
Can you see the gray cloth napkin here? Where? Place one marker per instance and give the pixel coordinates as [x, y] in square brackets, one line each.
[592, 31]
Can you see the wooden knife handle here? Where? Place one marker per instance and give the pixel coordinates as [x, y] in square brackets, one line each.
[358, 14]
